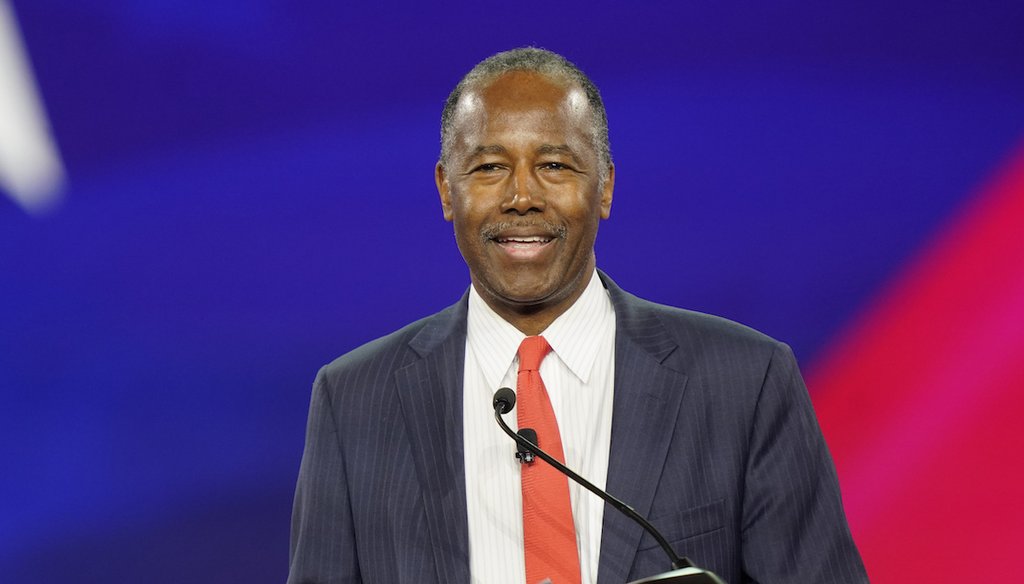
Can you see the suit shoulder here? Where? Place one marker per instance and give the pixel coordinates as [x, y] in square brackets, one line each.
[705, 343]
[697, 327]
[392, 351]
[730, 361]
[696, 332]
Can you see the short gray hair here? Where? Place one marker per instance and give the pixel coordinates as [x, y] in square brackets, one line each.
[539, 61]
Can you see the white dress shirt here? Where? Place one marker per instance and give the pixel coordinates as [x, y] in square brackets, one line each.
[579, 377]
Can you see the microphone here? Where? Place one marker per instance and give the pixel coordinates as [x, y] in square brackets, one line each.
[683, 570]
[522, 453]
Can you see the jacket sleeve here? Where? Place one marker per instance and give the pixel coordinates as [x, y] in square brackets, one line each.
[793, 525]
[323, 546]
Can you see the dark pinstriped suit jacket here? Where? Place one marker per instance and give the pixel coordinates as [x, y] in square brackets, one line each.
[713, 439]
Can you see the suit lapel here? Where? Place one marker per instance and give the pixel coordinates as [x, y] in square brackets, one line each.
[430, 391]
[646, 404]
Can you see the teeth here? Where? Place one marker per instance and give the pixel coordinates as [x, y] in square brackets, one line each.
[531, 239]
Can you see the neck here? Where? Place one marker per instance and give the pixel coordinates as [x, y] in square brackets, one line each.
[534, 318]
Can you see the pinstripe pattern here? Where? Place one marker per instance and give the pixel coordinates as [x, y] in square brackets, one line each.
[713, 439]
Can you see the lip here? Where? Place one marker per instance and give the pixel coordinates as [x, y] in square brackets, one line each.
[524, 247]
[523, 242]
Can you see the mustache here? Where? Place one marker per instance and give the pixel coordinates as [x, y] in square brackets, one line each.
[551, 229]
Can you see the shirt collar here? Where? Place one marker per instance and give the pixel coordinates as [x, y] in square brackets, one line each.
[495, 341]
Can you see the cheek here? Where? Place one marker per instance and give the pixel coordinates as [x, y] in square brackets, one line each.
[467, 220]
[473, 206]
[585, 208]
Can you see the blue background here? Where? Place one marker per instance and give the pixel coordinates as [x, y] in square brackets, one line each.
[250, 195]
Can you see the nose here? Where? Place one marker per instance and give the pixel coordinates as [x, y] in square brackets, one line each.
[526, 193]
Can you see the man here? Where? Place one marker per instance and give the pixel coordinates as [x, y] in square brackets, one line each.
[703, 425]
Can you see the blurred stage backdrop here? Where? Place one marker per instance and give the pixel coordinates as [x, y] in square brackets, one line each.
[205, 200]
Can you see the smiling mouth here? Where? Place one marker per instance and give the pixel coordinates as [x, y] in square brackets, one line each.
[524, 248]
[534, 233]
[524, 241]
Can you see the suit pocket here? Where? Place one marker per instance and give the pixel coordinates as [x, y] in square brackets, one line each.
[685, 524]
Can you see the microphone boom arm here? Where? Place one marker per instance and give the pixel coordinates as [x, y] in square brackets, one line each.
[677, 562]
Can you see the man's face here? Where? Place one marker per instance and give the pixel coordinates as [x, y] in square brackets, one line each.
[522, 187]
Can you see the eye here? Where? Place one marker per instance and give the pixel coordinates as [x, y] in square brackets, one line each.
[554, 166]
[487, 167]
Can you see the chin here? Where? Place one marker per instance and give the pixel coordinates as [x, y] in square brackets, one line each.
[530, 296]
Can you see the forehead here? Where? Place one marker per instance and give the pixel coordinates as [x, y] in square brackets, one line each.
[522, 99]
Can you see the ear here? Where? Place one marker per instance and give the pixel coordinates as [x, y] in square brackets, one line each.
[606, 193]
[445, 190]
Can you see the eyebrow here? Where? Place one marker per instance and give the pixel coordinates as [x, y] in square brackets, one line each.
[555, 149]
[542, 149]
[491, 149]
[558, 149]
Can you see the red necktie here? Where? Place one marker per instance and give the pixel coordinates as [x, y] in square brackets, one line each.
[549, 534]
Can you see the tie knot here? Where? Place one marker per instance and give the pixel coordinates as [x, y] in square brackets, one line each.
[531, 352]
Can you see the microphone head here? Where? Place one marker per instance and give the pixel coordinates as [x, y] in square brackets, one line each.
[504, 400]
[530, 434]
[522, 452]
